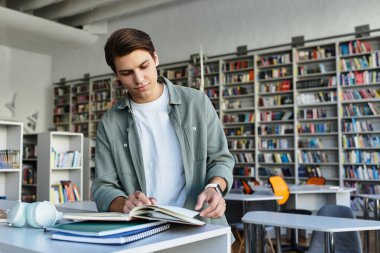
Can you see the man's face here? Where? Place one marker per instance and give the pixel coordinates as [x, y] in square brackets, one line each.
[138, 74]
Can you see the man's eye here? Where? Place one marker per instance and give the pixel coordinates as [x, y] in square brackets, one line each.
[126, 73]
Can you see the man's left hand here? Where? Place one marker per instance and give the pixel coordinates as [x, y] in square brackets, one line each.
[216, 204]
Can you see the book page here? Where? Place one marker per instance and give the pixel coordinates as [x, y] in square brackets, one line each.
[104, 216]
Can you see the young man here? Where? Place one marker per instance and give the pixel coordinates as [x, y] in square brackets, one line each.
[161, 144]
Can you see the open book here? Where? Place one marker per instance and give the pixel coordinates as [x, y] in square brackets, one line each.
[148, 212]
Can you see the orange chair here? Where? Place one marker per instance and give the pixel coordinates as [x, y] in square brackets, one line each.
[316, 180]
[280, 188]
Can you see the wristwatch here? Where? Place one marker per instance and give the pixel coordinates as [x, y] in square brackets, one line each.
[216, 187]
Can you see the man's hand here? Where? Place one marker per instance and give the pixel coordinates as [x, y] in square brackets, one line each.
[121, 204]
[216, 204]
[137, 199]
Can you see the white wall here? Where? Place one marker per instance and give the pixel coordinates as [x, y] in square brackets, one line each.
[29, 75]
[221, 25]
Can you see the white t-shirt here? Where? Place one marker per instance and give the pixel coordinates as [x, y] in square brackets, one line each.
[163, 166]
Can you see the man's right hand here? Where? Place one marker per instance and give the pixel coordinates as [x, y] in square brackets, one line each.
[138, 198]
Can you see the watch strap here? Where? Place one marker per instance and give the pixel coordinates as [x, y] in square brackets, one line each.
[216, 187]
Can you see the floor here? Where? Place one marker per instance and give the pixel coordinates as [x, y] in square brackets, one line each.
[303, 241]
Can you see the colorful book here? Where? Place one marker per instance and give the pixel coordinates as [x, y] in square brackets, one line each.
[120, 238]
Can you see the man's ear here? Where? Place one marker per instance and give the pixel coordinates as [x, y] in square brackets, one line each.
[155, 58]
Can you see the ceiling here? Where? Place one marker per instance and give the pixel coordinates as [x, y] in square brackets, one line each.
[47, 26]
[82, 13]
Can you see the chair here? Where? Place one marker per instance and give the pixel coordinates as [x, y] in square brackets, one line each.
[234, 212]
[344, 242]
[316, 180]
[280, 188]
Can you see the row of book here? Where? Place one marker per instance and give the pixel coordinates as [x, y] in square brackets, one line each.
[275, 144]
[28, 197]
[29, 174]
[103, 84]
[80, 99]
[80, 88]
[313, 113]
[312, 157]
[246, 157]
[65, 191]
[276, 130]
[273, 60]
[29, 151]
[61, 91]
[355, 47]
[101, 95]
[101, 106]
[211, 81]
[67, 159]
[97, 115]
[275, 100]
[360, 141]
[275, 171]
[362, 172]
[80, 117]
[275, 73]
[239, 131]
[241, 144]
[236, 104]
[364, 188]
[316, 98]
[357, 126]
[360, 156]
[275, 158]
[317, 68]
[239, 118]
[9, 159]
[242, 77]
[268, 116]
[352, 110]
[314, 54]
[81, 128]
[322, 82]
[275, 86]
[176, 73]
[312, 128]
[237, 65]
[309, 171]
[59, 101]
[212, 93]
[359, 77]
[360, 94]
[61, 110]
[80, 108]
[310, 143]
[362, 63]
[244, 171]
[238, 90]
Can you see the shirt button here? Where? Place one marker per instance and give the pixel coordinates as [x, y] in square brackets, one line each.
[194, 128]
[125, 145]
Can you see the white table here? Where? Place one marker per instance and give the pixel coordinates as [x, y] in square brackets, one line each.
[313, 197]
[328, 225]
[376, 199]
[245, 199]
[180, 238]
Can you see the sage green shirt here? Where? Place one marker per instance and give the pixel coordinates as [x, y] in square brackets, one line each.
[118, 159]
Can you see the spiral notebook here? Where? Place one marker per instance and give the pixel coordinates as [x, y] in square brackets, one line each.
[120, 238]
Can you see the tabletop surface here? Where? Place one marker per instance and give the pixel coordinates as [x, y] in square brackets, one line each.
[250, 197]
[311, 222]
[307, 189]
[368, 196]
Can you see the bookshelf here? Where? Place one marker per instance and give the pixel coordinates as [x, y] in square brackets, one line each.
[29, 168]
[62, 106]
[80, 107]
[11, 136]
[275, 114]
[60, 158]
[359, 83]
[316, 112]
[178, 73]
[237, 114]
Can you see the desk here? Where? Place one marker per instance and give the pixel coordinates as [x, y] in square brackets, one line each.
[366, 198]
[245, 199]
[180, 238]
[328, 225]
[313, 197]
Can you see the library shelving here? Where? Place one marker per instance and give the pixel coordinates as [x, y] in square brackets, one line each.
[29, 168]
[11, 136]
[238, 113]
[62, 105]
[359, 80]
[275, 114]
[178, 73]
[60, 166]
[80, 107]
[316, 112]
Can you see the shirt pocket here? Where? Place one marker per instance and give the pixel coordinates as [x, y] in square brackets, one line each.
[197, 142]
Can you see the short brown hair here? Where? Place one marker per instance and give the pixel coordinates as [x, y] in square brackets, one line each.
[125, 41]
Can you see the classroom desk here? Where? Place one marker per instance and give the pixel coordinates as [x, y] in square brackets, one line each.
[180, 238]
[313, 197]
[328, 225]
[245, 199]
[366, 214]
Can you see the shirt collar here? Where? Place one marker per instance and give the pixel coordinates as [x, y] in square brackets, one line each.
[173, 94]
